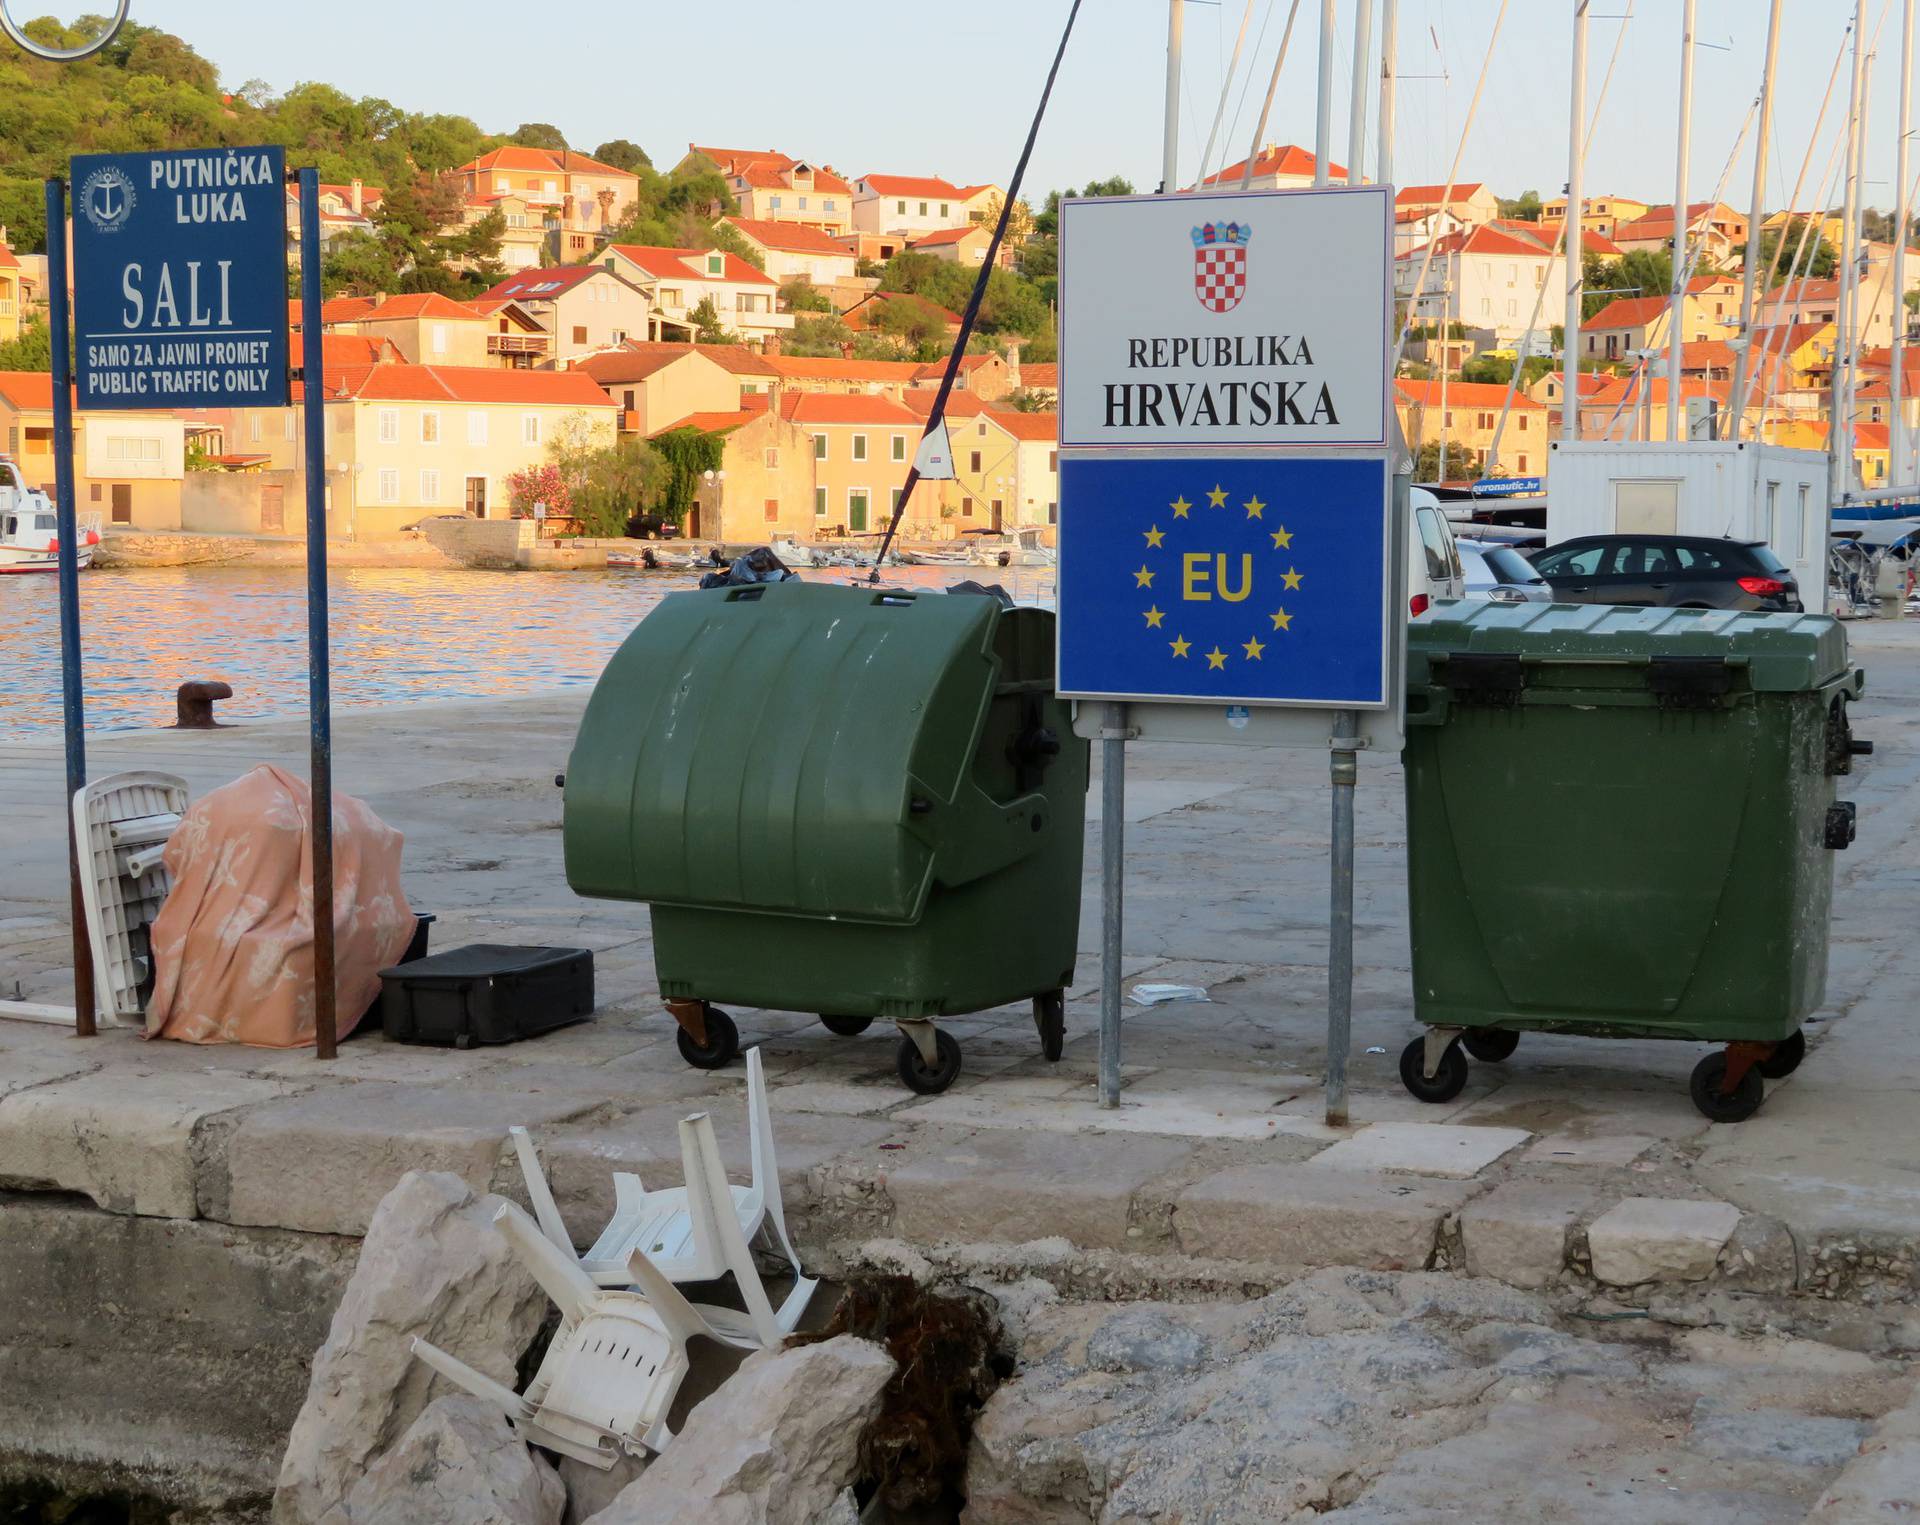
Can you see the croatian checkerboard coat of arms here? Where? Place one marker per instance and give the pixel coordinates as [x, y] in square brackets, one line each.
[1220, 264]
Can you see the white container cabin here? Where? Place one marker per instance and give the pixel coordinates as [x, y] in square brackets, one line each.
[1739, 490]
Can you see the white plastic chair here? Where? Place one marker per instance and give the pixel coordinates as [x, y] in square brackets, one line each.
[688, 1232]
[609, 1377]
[122, 823]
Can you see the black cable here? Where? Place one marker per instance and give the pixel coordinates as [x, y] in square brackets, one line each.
[939, 413]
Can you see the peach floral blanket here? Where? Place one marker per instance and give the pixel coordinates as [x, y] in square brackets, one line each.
[233, 945]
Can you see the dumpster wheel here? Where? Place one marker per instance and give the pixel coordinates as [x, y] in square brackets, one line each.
[1490, 1044]
[1050, 1016]
[1786, 1056]
[1449, 1077]
[846, 1027]
[722, 1045]
[1713, 1096]
[929, 1079]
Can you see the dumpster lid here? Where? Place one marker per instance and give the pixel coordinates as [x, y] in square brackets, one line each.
[1780, 653]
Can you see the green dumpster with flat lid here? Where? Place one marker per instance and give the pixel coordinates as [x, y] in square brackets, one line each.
[857, 802]
[1621, 823]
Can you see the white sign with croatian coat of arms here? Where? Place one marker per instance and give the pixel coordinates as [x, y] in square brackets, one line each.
[1226, 319]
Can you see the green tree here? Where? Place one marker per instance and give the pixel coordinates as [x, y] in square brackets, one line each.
[821, 336]
[707, 327]
[688, 454]
[32, 351]
[622, 154]
[608, 486]
[1489, 368]
[801, 295]
[1525, 207]
[540, 135]
[1642, 273]
[1820, 258]
[1046, 221]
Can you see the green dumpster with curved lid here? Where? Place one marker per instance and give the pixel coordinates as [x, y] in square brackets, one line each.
[1621, 823]
[856, 802]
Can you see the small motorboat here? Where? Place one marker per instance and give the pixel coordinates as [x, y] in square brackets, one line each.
[29, 539]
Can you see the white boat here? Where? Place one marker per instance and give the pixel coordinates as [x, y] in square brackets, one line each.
[28, 538]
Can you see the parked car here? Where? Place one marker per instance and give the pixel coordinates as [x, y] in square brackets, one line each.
[1433, 564]
[1500, 574]
[1669, 572]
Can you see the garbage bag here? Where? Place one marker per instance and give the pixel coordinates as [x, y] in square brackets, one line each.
[233, 945]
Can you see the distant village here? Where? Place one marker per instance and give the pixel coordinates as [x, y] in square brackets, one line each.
[444, 407]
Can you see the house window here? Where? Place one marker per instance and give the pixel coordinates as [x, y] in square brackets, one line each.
[803, 203]
[579, 334]
[923, 209]
[974, 463]
[829, 205]
[439, 338]
[1053, 513]
[429, 428]
[253, 428]
[819, 447]
[1053, 460]
[529, 428]
[1523, 465]
[893, 502]
[774, 202]
[772, 510]
[820, 503]
[943, 209]
[900, 207]
[389, 426]
[429, 486]
[716, 264]
[859, 447]
[899, 447]
[476, 428]
[770, 456]
[389, 485]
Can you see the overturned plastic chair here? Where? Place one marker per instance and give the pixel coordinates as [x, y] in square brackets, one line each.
[696, 1232]
[122, 823]
[608, 1380]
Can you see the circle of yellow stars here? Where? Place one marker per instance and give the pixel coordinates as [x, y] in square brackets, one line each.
[1253, 649]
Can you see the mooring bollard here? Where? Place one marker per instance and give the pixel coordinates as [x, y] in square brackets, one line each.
[195, 705]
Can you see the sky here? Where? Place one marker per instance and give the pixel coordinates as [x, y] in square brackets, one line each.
[949, 89]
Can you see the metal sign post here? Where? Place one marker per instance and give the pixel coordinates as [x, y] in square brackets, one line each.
[319, 672]
[1232, 535]
[72, 699]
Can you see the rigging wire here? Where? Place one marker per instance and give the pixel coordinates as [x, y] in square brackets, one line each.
[1226, 88]
[1266, 106]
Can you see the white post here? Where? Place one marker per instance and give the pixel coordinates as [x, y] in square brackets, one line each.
[1839, 451]
[1323, 111]
[1576, 210]
[1170, 143]
[1756, 213]
[1362, 69]
[1896, 382]
[1679, 293]
[1389, 63]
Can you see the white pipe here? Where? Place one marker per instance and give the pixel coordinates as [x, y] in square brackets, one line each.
[1389, 63]
[1226, 88]
[1266, 106]
[1357, 107]
[1323, 111]
[1170, 140]
[1678, 299]
[1576, 211]
[1756, 213]
[1896, 382]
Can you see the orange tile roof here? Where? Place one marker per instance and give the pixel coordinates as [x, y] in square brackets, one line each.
[1284, 159]
[341, 352]
[616, 366]
[933, 370]
[545, 283]
[732, 357]
[709, 423]
[416, 306]
[1462, 394]
[1627, 312]
[960, 404]
[27, 390]
[539, 161]
[843, 408]
[451, 383]
[1652, 388]
[944, 236]
[671, 264]
[1870, 436]
[731, 160]
[789, 236]
[834, 368]
[1046, 377]
[1433, 193]
[7, 261]
[1026, 426]
[912, 185]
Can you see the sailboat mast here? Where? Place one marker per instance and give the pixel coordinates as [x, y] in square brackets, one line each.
[1323, 115]
[1679, 283]
[1576, 209]
[1897, 473]
[1839, 452]
[1357, 111]
[1389, 63]
[1756, 212]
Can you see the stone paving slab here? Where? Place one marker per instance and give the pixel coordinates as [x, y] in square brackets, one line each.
[1296, 1215]
[1427, 1149]
[1659, 1239]
[1517, 1233]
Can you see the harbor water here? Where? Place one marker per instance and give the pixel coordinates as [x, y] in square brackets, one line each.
[397, 635]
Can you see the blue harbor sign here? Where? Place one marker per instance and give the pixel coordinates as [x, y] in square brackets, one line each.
[180, 279]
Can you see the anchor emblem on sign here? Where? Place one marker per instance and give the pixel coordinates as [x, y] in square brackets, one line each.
[107, 199]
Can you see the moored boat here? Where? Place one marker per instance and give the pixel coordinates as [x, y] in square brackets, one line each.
[29, 541]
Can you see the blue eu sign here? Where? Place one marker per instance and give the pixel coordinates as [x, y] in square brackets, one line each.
[1232, 581]
[180, 279]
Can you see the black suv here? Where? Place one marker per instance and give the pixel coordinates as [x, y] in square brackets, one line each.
[1669, 572]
